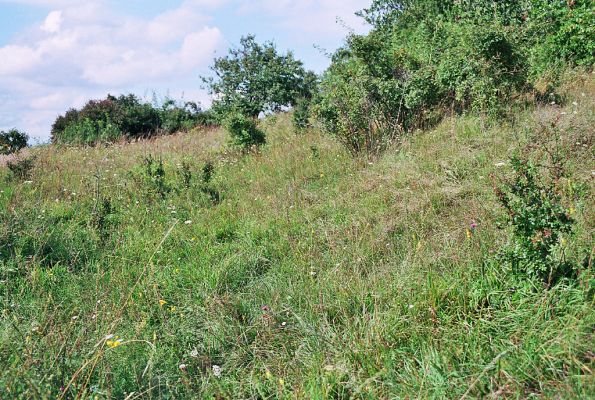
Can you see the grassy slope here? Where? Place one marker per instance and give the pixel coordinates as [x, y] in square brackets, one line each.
[317, 276]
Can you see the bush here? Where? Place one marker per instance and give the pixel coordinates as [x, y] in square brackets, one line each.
[244, 131]
[540, 213]
[181, 118]
[12, 141]
[425, 58]
[21, 168]
[561, 35]
[125, 116]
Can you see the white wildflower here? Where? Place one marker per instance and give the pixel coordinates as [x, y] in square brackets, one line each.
[217, 371]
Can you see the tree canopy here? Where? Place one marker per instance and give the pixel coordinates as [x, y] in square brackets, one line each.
[12, 141]
[255, 78]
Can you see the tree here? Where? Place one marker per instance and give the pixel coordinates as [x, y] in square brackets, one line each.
[255, 78]
[12, 141]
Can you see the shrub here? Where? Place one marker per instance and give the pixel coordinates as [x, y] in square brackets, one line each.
[561, 34]
[137, 119]
[125, 116]
[244, 131]
[177, 117]
[21, 168]
[12, 141]
[540, 213]
[89, 131]
[424, 58]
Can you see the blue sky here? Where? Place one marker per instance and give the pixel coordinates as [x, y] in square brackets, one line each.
[57, 54]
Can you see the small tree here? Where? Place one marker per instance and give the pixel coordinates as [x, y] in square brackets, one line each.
[12, 141]
[255, 78]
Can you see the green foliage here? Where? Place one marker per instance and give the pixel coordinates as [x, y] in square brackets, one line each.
[21, 168]
[538, 212]
[177, 117]
[125, 116]
[155, 175]
[90, 131]
[539, 222]
[255, 78]
[244, 131]
[12, 141]
[561, 34]
[426, 58]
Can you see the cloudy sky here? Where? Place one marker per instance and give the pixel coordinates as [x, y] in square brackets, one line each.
[56, 54]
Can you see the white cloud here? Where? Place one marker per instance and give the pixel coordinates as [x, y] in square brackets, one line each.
[85, 50]
[52, 22]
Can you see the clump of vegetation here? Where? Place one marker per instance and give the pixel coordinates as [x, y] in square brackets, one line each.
[12, 141]
[256, 79]
[125, 117]
[539, 210]
[244, 131]
[21, 168]
[424, 59]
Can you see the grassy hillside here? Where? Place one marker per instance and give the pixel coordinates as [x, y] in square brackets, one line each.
[294, 272]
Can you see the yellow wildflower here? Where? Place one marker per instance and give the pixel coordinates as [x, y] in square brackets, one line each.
[162, 302]
[172, 309]
[468, 234]
[112, 344]
[268, 374]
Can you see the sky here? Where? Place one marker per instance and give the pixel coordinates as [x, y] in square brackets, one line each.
[57, 54]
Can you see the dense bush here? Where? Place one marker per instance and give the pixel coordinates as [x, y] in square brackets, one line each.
[12, 141]
[424, 58]
[177, 117]
[21, 168]
[125, 116]
[539, 200]
[244, 130]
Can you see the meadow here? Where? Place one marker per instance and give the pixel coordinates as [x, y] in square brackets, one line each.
[182, 267]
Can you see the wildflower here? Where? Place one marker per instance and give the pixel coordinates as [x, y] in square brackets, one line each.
[162, 302]
[500, 164]
[194, 353]
[172, 308]
[268, 374]
[217, 371]
[112, 344]
[312, 274]
[469, 234]
[281, 382]
[188, 222]
[182, 367]
[563, 241]
[265, 308]
[411, 306]
[473, 225]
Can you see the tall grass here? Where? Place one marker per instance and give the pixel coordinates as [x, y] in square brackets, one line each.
[314, 275]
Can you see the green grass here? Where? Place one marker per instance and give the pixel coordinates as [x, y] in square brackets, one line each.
[315, 275]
